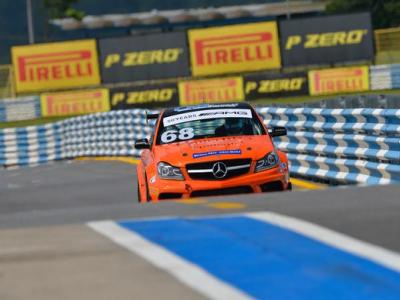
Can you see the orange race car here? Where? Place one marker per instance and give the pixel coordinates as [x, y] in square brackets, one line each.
[210, 149]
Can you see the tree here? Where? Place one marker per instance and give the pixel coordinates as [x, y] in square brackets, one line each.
[385, 13]
[62, 8]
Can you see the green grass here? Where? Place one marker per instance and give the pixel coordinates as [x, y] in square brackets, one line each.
[30, 122]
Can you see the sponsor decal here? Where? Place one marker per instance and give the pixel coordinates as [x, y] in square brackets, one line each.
[156, 95]
[55, 65]
[207, 114]
[211, 90]
[328, 39]
[183, 134]
[338, 80]
[144, 57]
[138, 58]
[219, 152]
[259, 86]
[74, 103]
[235, 48]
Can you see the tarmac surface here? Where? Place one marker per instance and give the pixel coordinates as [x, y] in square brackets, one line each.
[47, 251]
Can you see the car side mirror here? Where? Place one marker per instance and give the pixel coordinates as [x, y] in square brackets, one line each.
[278, 131]
[142, 144]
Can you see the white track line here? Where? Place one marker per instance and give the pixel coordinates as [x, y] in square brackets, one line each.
[338, 240]
[183, 270]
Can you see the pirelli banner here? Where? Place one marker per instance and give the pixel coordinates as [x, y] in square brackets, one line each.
[262, 86]
[145, 57]
[324, 40]
[235, 48]
[338, 80]
[55, 66]
[74, 103]
[152, 96]
[211, 90]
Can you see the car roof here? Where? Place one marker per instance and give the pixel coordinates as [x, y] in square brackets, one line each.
[183, 109]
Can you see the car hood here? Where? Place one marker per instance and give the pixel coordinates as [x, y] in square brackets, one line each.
[202, 150]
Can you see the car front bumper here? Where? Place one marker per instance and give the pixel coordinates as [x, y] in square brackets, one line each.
[274, 179]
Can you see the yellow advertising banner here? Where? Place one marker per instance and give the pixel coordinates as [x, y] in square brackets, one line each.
[235, 48]
[338, 80]
[52, 66]
[75, 103]
[211, 90]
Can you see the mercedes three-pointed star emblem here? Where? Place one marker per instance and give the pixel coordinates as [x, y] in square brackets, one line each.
[219, 170]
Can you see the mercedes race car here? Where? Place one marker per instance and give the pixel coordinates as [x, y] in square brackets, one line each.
[210, 149]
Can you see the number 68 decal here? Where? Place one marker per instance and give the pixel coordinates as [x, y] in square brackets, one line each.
[183, 134]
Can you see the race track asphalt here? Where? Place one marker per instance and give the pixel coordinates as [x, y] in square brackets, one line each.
[83, 191]
[69, 194]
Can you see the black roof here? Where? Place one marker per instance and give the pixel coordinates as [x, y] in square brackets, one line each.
[182, 109]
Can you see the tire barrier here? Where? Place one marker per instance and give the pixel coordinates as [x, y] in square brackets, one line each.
[340, 145]
[24, 108]
[337, 145]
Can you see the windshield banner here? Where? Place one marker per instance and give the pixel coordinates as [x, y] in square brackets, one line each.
[207, 114]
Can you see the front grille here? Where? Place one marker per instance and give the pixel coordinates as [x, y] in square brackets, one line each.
[220, 192]
[203, 171]
[165, 196]
[274, 186]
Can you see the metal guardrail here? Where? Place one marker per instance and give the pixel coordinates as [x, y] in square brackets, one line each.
[349, 146]
[341, 145]
[102, 134]
[351, 102]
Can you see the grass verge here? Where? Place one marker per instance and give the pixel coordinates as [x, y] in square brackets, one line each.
[34, 122]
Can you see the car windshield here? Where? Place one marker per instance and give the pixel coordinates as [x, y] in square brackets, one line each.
[208, 124]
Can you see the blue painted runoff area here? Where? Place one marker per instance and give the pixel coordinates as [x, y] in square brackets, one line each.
[269, 262]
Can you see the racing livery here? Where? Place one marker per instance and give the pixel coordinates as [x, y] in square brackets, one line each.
[210, 149]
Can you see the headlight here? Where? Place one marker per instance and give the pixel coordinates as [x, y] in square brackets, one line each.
[269, 161]
[166, 171]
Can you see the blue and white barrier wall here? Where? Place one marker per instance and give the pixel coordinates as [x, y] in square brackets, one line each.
[384, 77]
[345, 145]
[101, 134]
[23, 108]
